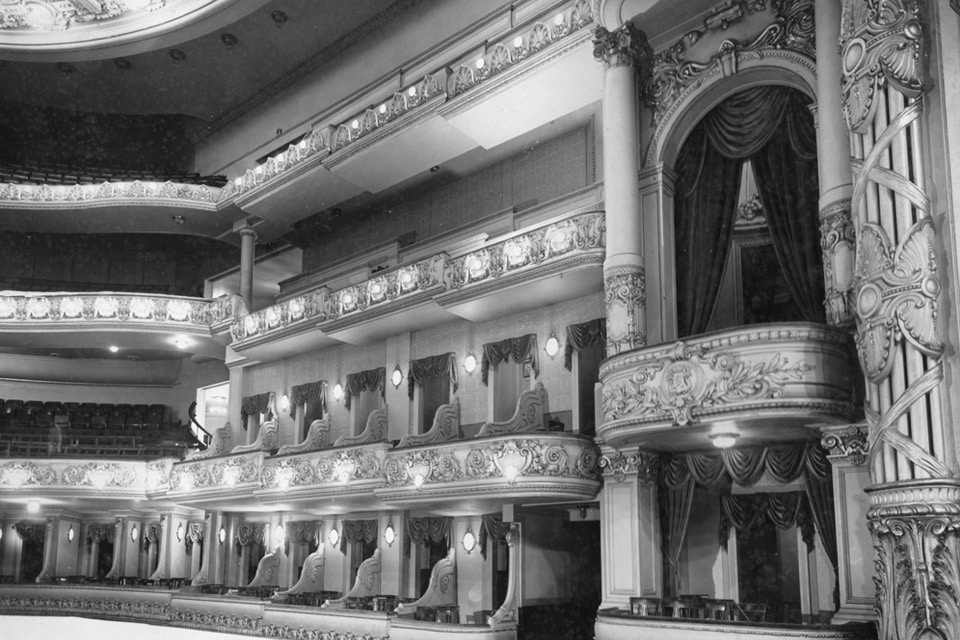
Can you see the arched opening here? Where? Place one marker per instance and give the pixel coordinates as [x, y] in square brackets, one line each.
[746, 214]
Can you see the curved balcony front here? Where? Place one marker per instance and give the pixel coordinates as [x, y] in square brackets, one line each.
[763, 383]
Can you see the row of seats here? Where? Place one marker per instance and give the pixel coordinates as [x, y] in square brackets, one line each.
[60, 174]
[35, 414]
[698, 607]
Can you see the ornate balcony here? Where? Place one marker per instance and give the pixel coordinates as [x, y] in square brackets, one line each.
[763, 383]
[66, 478]
[539, 467]
[215, 479]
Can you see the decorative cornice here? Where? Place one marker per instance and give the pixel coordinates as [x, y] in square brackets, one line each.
[848, 444]
[627, 46]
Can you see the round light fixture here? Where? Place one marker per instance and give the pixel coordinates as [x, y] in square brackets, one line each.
[338, 391]
[389, 534]
[33, 506]
[470, 363]
[134, 533]
[70, 534]
[180, 532]
[396, 377]
[724, 440]
[284, 402]
[469, 541]
[553, 345]
[222, 536]
[334, 537]
[181, 342]
[113, 348]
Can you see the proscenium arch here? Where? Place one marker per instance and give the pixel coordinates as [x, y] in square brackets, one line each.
[773, 67]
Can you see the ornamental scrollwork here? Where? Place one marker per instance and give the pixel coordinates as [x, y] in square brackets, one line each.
[18, 474]
[625, 298]
[692, 379]
[626, 46]
[99, 474]
[674, 73]
[643, 464]
[897, 294]
[291, 472]
[882, 44]
[354, 464]
[850, 445]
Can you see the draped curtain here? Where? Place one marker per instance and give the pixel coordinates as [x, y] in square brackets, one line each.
[302, 532]
[195, 534]
[31, 532]
[253, 405]
[309, 392]
[580, 336]
[521, 349]
[744, 466]
[358, 530]
[491, 527]
[100, 533]
[434, 530]
[151, 534]
[771, 126]
[435, 366]
[369, 380]
[250, 533]
[784, 510]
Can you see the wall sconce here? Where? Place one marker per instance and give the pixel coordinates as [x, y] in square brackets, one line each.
[284, 403]
[396, 377]
[334, 537]
[338, 392]
[389, 534]
[469, 541]
[180, 532]
[70, 534]
[33, 506]
[1, 533]
[724, 440]
[222, 536]
[470, 363]
[134, 533]
[553, 345]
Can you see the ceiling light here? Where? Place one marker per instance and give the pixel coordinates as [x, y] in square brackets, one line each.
[724, 440]
[178, 55]
[279, 17]
[518, 42]
[181, 342]
[113, 348]
[412, 92]
[33, 506]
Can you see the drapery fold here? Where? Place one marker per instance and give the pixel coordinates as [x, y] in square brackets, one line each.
[784, 510]
[580, 336]
[369, 380]
[436, 366]
[250, 533]
[770, 126]
[434, 530]
[356, 531]
[302, 532]
[195, 533]
[521, 349]
[314, 392]
[31, 532]
[493, 527]
[255, 404]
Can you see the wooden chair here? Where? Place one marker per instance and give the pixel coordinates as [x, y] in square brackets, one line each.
[754, 611]
[643, 606]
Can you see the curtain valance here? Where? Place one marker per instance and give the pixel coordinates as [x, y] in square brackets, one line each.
[250, 533]
[745, 466]
[101, 532]
[302, 532]
[432, 366]
[493, 527]
[314, 392]
[355, 531]
[31, 532]
[580, 336]
[434, 530]
[195, 533]
[520, 350]
[784, 510]
[151, 534]
[255, 404]
[369, 380]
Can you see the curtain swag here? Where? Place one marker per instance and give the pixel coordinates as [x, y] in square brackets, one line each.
[249, 533]
[252, 405]
[301, 532]
[311, 392]
[433, 366]
[521, 349]
[580, 336]
[747, 512]
[369, 380]
[31, 532]
[195, 534]
[358, 530]
[434, 530]
[493, 527]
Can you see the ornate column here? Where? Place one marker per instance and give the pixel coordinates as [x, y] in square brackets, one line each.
[846, 447]
[248, 240]
[630, 557]
[621, 52]
[833, 143]
[914, 509]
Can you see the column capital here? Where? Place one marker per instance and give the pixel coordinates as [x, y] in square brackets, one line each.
[846, 445]
[625, 46]
[247, 231]
[618, 465]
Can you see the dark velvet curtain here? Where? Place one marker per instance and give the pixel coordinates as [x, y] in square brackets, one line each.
[436, 366]
[522, 349]
[358, 530]
[433, 529]
[195, 533]
[784, 510]
[491, 527]
[252, 405]
[772, 127]
[250, 533]
[310, 392]
[301, 532]
[31, 532]
[580, 336]
[676, 498]
[369, 380]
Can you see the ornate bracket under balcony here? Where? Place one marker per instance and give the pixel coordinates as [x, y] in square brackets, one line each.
[375, 431]
[540, 467]
[763, 381]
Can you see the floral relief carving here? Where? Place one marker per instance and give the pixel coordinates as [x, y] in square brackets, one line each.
[353, 464]
[291, 472]
[881, 45]
[692, 379]
[18, 474]
[99, 474]
[92, 307]
[626, 46]
[837, 242]
[643, 464]
[849, 445]
[188, 193]
[625, 298]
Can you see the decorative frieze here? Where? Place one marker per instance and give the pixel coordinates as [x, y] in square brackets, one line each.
[389, 286]
[848, 445]
[99, 474]
[101, 307]
[15, 475]
[625, 298]
[310, 306]
[191, 195]
[219, 473]
[282, 163]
